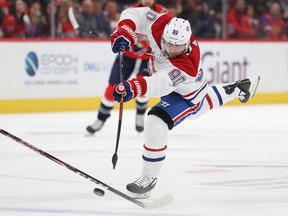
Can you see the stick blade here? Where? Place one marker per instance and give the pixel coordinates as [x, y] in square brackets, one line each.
[73, 19]
[163, 201]
[114, 160]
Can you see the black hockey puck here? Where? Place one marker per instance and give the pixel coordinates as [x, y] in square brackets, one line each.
[98, 192]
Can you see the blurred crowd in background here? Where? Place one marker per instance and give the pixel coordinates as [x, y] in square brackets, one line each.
[210, 19]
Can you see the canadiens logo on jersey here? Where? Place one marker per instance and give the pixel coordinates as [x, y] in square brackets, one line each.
[199, 75]
[151, 15]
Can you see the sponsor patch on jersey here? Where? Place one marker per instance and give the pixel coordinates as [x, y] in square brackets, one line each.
[151, 16]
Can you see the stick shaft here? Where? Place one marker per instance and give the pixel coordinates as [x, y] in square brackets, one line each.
[115, 156]
[68, 166]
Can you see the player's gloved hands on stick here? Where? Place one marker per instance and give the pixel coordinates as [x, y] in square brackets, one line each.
[128, 89]
[123, 89]
[123, 37]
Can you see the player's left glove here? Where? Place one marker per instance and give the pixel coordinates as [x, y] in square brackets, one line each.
[129, 89]
[123, 37]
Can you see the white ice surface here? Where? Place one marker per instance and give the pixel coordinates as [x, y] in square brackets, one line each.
[230, 162]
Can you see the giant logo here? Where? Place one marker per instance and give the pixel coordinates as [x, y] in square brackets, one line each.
[220, 69]
[31, 64]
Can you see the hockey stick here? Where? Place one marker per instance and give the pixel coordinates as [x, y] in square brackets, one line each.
[115, 156]
[76, 26]
[164, 200]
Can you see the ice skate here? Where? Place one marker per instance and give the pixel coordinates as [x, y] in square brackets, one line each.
[247, 88]
[96, 126]
[139, 123]
[142, 187]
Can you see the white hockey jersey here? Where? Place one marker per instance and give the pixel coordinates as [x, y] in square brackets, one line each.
[183, 74]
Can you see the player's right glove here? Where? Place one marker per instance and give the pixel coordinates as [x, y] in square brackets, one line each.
[123, 38]
[129, 89]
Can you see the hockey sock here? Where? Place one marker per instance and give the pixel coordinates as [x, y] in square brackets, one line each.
[141, 105]
[107, 104]
[155, 146]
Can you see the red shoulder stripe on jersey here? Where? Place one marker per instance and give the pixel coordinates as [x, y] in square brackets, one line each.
[185, 64]
[127, 22]
[158, 27]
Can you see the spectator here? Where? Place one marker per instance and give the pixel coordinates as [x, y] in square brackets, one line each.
[204, 26]
[189, 13]
[250, 13]
[102, 20]
[4, 11]
[33, 27]
[217, 19]
[272, 23]
[8, 28]
[13, 25]
[87, 20]
[197, 13]
[285, 19]
[176, 7]
[112, 12]
[65, 28]
[237, 22]
[123, 4]
[260, 7]
[46, 21]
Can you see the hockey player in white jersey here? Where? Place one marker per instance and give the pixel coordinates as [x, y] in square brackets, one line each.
[176, 76]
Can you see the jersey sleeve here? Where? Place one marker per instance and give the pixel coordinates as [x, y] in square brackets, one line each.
[158, 85]
[139, 19]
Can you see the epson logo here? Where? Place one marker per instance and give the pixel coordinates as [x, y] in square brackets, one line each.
[31, 63]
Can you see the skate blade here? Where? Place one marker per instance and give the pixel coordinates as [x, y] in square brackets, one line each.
[139, 196]
[254, 85]
[88, 134]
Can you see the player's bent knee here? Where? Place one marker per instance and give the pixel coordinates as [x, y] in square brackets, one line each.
[155, 132]
[162, 115]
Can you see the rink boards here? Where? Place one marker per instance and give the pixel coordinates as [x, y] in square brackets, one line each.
[72, 75]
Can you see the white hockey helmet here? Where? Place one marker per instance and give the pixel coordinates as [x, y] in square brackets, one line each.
[178, 32]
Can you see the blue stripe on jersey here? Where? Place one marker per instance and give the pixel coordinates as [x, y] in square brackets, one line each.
[199, 91]
[153, 159]
[218, 95]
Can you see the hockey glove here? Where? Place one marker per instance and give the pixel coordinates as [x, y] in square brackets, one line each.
[129, 89]
[123, 37]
